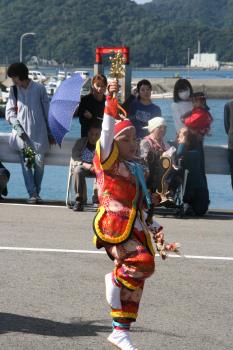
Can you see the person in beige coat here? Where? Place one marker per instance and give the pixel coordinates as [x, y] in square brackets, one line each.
[82, 166]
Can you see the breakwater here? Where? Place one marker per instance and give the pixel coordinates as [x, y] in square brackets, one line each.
[213, 88]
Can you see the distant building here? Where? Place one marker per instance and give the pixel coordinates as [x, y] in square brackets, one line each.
[205, 60]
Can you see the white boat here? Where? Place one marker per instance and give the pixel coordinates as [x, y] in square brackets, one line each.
[52, 85]
[36, 75]
[84, 73]
[162, 95]
[61, 75]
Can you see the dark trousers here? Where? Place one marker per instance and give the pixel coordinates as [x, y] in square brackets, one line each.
[230, 160]
[198, 199]
[80, 187]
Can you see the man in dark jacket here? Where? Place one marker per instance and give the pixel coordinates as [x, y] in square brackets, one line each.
[4, 178]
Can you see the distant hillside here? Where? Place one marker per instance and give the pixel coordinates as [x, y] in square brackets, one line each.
[158, 32]
[205, 12]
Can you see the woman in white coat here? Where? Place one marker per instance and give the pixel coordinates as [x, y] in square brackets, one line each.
[182, 103]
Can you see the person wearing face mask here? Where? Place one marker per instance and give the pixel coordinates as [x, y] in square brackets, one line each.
[182, 102]
[91, 107]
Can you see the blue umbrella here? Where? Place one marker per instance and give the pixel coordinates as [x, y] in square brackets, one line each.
[63, 105]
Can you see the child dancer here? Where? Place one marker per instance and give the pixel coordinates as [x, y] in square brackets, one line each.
[119, 224]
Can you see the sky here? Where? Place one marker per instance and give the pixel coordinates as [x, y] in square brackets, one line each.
[142, 1]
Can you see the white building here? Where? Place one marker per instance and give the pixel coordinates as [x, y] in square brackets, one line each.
[205, 60]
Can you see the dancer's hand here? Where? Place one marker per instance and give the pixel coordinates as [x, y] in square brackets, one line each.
[111, 107]
[113, 87]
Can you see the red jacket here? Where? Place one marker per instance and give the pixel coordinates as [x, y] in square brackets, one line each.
[200, 120]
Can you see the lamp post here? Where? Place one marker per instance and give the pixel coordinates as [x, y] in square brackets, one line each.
[21, 45]
[188, 62]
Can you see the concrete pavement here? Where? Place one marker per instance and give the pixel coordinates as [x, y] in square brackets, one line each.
[52, 284]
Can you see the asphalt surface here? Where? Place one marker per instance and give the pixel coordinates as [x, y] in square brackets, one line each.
[53, 297]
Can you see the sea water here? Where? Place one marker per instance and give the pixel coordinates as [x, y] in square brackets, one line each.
[55, 177]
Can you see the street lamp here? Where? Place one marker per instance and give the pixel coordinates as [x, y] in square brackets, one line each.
[21, 45]
[188, 62]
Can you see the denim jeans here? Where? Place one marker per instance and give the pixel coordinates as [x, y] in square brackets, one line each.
[33, 177]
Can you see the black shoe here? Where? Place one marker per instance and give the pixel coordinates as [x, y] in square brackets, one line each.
[78, 206]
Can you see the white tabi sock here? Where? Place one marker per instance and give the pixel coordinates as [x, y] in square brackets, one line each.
[121, 339]
[112, 292]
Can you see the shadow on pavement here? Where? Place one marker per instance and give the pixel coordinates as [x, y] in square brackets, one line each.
[10, 323]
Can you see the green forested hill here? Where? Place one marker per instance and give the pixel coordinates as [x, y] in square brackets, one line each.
[158, 32]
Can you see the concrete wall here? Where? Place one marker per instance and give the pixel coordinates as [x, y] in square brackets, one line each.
[214, 88]
[216, 156]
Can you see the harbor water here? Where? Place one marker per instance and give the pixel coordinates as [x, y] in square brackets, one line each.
[147, 73]
[55, 177]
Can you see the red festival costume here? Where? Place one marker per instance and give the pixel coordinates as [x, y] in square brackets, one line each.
[119, 224]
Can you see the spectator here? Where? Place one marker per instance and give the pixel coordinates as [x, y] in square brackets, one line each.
[199, 119]
[141, 109]
[27, 111]
[91, 107]
[196, 196]
[228, 123]
[4, 178]
[152, 147]
[82, 161]
[182, 102]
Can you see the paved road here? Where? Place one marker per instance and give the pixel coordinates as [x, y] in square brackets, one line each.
[53, 297]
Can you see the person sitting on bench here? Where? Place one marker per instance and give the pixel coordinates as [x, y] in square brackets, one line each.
[82, 166]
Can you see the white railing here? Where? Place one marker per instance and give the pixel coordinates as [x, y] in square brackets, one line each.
[215, 156]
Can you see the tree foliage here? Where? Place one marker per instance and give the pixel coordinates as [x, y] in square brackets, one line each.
[157, 32]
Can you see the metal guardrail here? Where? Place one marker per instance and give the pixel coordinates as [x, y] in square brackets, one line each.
[215, 156]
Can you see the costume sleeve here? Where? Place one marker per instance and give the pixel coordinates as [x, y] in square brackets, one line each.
[106, 138]
[227, 117]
